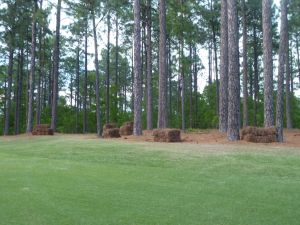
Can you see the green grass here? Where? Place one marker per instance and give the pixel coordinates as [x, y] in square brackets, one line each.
[71, 180]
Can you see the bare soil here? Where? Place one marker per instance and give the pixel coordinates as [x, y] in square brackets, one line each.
[291, 138]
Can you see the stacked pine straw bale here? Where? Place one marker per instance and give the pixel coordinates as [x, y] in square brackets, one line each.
[167, 135]
[259, 135]
[126, 129]
[42, 129]
[110, 130]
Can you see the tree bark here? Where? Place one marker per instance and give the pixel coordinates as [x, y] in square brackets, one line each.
[117, 65]
[191, 87]
[195, 87]
[19, 91]
[38, 98]
[56, 68]
[233, 133]
[77, 88]
[149, 67]
[170, 81]
[107, 71]
[288, 96]
[85, 78]
[214, 42]
[98, 115]
[282, 63]
[137, 90]
[32, 72]
[162, 99]
[182, 77]
[245, 67]
[8, 90]
[223, 105]
[298, 57]
[210, 63]
[267, 63]
[255, 65]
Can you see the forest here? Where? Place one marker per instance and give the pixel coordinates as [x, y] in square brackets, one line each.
[187, 64]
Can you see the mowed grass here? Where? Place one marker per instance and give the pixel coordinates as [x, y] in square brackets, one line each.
[74, 180]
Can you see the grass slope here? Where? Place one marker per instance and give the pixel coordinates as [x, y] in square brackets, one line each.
[71, 180]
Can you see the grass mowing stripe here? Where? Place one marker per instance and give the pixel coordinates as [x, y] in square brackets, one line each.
[58, 180]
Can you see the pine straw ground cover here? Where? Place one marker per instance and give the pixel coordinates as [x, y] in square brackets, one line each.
[67, 179]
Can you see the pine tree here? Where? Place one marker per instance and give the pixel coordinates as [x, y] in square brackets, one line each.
[162, 102]
[56, 67]
[223, 105]
[268, 63]
[137, 90]
[233, 73]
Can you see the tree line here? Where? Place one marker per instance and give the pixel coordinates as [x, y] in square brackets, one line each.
[149, 58]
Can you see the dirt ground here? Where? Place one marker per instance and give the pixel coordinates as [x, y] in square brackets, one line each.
[291, 138]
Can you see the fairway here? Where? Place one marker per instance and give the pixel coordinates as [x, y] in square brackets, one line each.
[78, 179]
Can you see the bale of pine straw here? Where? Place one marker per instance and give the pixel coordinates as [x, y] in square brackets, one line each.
[167, 135]
[42, 129]
[111, 133]
[109, 126]
[126, 129]
[259, 135]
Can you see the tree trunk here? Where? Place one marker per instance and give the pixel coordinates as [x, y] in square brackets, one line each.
[50, 85]
[149, 67]
[40, 73]
[216, 66]
[117, 66]
[292, 74]
[245, 67]
[107, 71]
[223, 111]
[182, 71]
[19, 92]
[8, 90]
[195, 87]
[255, 65]
[298, 57]
[137, 90]
[210, 63]
[282, 63]
[233, 133]
[32, 72]
[85, 78]
[287, 86]
[267, 63]
[162, 99]
[77, 88]
[56, 68]
[98, 116]
[191, 87]
[170, 81]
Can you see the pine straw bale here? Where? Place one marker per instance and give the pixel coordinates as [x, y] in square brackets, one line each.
[128, 123]
[259, 135]
[126, 129]
[248, 130]
[167, 135]
[42, 129]
[111, 133]
[266, 139]
[249, 138]
[266, 131]
[109, 126]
